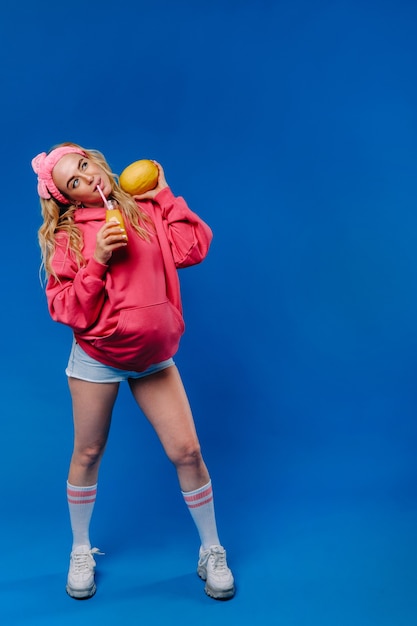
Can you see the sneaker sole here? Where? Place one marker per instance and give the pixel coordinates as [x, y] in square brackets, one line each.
[217, 594]
[225, 594]
[81, 594]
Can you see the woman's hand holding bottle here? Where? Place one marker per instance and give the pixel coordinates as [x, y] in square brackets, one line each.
[110, 237]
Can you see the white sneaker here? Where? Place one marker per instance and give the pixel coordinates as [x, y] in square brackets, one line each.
[80, 582]
[212, 567]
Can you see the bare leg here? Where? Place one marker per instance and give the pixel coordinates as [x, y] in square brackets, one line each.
[92, 408]
[163, 400]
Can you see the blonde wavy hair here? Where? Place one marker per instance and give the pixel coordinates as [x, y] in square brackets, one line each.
[59, 218]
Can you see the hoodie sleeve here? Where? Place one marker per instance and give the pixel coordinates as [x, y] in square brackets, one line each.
[189, 236]
[77, 297]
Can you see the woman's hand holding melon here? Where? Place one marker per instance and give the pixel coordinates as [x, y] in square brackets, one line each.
[143, 179]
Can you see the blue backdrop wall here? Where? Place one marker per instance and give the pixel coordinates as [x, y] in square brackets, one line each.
[291, 128]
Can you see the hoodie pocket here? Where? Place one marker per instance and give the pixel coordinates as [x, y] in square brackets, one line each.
[144, 335]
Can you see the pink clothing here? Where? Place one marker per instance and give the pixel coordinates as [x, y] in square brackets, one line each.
[43, 165]
[128, 314]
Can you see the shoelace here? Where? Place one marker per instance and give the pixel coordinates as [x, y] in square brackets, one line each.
[219, 561]
[82, 560]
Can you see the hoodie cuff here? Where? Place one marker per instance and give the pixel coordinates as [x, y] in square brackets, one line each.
[95, 268]
[164, 196]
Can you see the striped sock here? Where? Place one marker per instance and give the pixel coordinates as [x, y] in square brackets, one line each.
[81, 503]
[201, 506]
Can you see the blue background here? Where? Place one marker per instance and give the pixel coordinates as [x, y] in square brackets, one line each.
[291, 128]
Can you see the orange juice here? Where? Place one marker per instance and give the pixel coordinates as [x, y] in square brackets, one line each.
[113, 213]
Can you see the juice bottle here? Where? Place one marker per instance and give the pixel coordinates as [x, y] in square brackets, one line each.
[113, 212]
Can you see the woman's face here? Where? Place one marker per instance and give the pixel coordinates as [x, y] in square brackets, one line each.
[77, 177]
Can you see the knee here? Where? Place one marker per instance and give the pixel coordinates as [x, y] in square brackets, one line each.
[89, 456]
[187, 456]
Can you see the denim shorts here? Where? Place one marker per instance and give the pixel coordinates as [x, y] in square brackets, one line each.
[82, 366]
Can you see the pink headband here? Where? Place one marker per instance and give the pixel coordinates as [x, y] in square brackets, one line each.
[44, 163]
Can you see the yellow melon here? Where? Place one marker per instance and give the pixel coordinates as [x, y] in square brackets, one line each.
[139, 177]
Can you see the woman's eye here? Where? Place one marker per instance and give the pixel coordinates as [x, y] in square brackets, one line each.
[75, 183]
[84, 165]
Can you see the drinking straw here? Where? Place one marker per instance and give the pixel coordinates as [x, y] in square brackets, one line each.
[104, 197]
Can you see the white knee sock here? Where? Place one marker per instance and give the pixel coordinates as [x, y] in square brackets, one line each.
[201, 506]
[81, 503]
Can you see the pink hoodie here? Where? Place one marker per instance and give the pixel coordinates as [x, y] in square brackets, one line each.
[128, 314]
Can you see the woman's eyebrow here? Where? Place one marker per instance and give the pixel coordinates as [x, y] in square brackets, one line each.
[78, 167]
